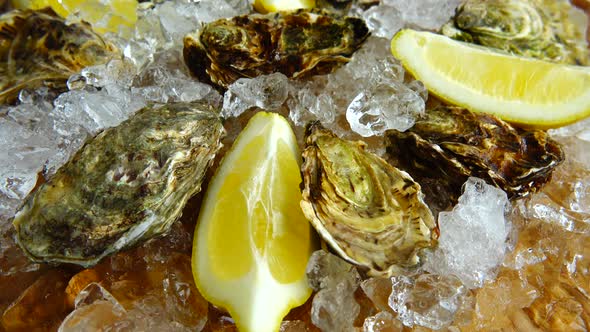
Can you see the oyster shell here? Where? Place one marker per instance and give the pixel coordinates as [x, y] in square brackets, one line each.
[370, 213]
[38, 48]
[296, 43]
[127, 184]
[534, 28]
[450, 144]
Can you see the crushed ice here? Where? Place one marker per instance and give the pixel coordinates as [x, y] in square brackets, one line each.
[473, 235]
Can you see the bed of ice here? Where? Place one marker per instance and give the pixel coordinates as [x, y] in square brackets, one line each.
[499, 265]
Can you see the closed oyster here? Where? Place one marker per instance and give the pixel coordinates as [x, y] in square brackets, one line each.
[37, 48]
[296, 43]
[369, 212]
[127, 184]
[450, 144]
[534, 28]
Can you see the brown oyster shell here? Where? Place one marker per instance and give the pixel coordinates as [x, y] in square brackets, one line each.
[449, 144]
[296, 43]
[369, 212]
[127, 184]
[37, 48]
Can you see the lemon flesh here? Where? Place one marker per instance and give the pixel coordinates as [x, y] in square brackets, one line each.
[525, 91]
[252, 241]
[268, 6]
[103, 15]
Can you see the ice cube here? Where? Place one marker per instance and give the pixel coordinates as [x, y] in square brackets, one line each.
[425, 14]
[27, 142]
[310, 102]
[382, 322]
[267, 92]
[387, 105]
[378, 290]
[211, 10]
[334, 307]
[383, 20]
[94, 109]
[473, 235]
[427, 300]
[166, 79]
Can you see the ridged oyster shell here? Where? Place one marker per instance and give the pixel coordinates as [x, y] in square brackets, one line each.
[535, 28]
[296, 43]
[450, 144]
[37, 48]
[127, 184]
[369, 212]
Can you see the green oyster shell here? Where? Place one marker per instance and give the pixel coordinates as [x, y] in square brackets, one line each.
[369, 212]
[37, 48]
[127, 184]
[533, 28]
[449, 144]
[296, 43]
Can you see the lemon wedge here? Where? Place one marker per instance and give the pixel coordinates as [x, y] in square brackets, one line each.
[103, 15]
[525, 91]
[268, 6]
[252, 241]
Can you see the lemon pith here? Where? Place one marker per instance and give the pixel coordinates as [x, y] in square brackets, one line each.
[252, 241]
[521, 90]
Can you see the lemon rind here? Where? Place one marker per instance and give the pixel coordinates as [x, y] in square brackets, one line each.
[410, 47]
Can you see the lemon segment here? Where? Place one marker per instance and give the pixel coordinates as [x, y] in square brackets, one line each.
[252, 241]
[268, 6]
[526, 91]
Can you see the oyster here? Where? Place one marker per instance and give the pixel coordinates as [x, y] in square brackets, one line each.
[534, 28]
[127, 184]
[37, 48]
[296, 43]
[369, 212]
[450, 144]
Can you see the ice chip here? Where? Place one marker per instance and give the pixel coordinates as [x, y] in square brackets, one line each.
[378, 290]
[429, 300]
[27, 142]
[211, 10]
[383, 20]
[95, 110]
[166, 80]
[473, 235]
[425, 14]
[334, 307]
[382, 322]
[307, 104]
[115, 72]
[388, 105]
[325, 270]
[267, 92]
